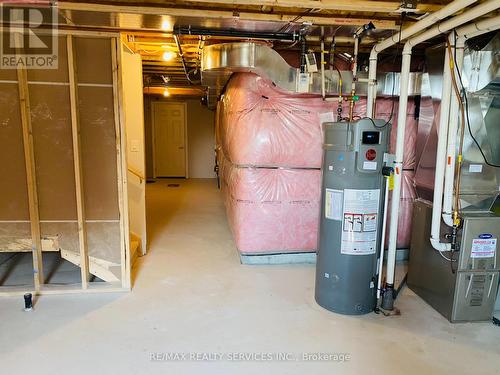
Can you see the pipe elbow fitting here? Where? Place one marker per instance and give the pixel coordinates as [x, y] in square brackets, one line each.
[448, 219]
[440, 246]
[407, 48]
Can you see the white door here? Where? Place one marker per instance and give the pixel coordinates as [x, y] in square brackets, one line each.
[169, 123]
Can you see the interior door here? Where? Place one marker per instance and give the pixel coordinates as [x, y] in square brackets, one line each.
[169, 122]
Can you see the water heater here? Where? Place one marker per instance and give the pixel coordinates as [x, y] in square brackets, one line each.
[351, 215]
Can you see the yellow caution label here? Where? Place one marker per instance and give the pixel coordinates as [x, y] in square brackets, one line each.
[391, 181]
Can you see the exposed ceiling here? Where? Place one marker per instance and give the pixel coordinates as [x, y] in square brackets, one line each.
[148, 26]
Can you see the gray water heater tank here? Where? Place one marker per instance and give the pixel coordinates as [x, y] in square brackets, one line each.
[351, 215]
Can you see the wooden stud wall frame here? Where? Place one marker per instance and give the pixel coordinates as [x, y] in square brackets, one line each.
[85, 258]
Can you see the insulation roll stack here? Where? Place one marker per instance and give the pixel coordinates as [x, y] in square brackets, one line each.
[269, 155]
[269, 151]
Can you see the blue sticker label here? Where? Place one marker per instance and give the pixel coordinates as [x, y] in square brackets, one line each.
[485, 235]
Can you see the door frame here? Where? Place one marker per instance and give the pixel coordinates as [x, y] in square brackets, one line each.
[153, 134]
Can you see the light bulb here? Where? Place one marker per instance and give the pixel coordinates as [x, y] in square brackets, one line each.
[166, 93]
[167, 56]
[166, 25]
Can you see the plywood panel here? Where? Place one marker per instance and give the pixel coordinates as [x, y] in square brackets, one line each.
[9, 232]
[53, 75]
[8, 74]
[50, 118]
[93, 60]
[13, 188]
[98, 139]
[66, 232]
[104, 241]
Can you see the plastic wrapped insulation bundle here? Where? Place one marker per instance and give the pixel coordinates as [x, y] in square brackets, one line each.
[272, 210]
[262, 125]
[269, 147]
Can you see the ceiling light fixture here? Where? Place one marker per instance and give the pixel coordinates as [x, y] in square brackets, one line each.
[167, 56]
[166, 25]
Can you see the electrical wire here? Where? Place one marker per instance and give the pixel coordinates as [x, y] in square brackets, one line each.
[373, 122]
[448, 259]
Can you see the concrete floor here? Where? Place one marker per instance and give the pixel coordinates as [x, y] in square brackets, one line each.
[191, 295]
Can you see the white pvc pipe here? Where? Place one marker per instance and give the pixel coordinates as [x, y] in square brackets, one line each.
[400, 136]
[449, 174]
[441, 158]
[398, 166]
[478, 11]
[428, 21]
[462, 34]
[382, 241]
[478, 28]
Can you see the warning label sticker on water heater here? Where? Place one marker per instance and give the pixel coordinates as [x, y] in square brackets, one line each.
[333, 204]
[360, 216]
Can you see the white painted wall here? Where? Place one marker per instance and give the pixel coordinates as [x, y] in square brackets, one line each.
[134, 126]
[201, 140]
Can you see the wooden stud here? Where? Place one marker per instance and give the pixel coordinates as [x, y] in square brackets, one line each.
[50, 289]
[121, 157]
[29, 157]
[39, 288]
[77, 157]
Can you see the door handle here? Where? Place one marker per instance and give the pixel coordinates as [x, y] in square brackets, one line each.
[181, 147]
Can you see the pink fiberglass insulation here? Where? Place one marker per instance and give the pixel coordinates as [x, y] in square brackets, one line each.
[276, 210]
[272, 210]
[262, 125]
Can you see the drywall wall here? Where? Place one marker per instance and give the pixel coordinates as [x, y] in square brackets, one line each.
[201, 139]
[200, 124]
[134, 128]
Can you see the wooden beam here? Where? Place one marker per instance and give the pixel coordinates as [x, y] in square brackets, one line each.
[358, 6]
[29, 158]
[24, 245]
[245, 15]
[121, 158]
[343, 5]
[51, 289]
[77, 163]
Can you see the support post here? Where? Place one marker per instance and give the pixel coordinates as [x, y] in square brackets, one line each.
[77, 157]
[121, 157]
[29, 158]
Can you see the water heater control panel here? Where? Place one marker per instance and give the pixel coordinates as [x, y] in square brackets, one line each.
[366, 140]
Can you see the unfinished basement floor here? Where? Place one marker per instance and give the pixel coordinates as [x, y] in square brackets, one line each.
[191, 295]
